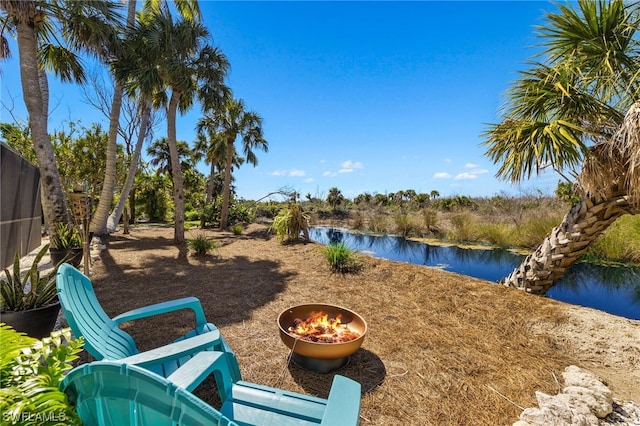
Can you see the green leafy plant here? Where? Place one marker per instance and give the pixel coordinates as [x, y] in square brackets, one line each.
[237, 229]
[201, 245]
[290, 223]
[22, 291]
[66, 236]
[341, 258]
[30, 373]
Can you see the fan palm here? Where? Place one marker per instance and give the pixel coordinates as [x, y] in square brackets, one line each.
[568, 113]
[39, 26]
[100, 223]
[187, 67]
[230, 121]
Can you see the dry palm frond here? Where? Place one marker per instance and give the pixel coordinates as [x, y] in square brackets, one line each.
[614, 165]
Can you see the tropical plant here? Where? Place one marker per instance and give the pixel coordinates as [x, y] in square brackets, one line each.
[22, 291]
[38, 26]
[30, 372]
[568, 113]
[335, 198]
[66, 236]
[228, 121]
[340, 258]
[290, 224]
[201, 245]
[237, 229]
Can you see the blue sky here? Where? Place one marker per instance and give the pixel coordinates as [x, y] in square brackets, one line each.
[364, 96]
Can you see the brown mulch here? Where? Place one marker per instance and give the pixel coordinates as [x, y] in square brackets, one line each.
[441, 349]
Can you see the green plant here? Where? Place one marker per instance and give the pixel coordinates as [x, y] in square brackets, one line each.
[30, 373]
[340, 258]
[237, 229]
[201, 245]
[66, 236]
[290, 223]
[23, 291]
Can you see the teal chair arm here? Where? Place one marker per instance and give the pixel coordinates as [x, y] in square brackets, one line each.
[343, 403]
[192, 303]
[175, 350]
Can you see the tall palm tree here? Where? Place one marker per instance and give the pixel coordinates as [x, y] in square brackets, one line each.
[188, 67]
[188, 9]
[232, 120]
[212, 147]
[569, 113]
[39, 26]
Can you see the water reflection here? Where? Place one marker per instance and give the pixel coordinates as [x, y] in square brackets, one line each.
[611, 289]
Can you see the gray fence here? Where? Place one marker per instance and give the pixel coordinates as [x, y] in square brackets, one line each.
[20, 208]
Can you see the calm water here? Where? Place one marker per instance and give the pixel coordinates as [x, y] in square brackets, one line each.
[609, 289]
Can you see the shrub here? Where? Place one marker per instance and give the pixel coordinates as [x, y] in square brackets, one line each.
[201, 245]
[290, 223]
[30, 374]
[340, 258]
[237, 229]
[404, 225]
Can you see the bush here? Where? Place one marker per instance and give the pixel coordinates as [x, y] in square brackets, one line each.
[201, 245]
[237, 229]
[340, 258]
[31, 372]
[290, 223]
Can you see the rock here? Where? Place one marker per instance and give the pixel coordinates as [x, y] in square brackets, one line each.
[584, 401]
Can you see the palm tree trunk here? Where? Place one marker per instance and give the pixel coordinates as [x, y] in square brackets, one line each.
[53, 200]
[226, 189]
[178, 195]
[567, 242]
[99, 221]
[114, 218]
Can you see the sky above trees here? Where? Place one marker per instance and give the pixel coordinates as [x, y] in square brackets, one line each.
[364, 96]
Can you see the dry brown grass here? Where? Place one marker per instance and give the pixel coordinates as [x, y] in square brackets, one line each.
[442, 349]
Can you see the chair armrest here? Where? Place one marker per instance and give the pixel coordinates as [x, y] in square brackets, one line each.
[343, 403]
[175, 350]
[192, 303]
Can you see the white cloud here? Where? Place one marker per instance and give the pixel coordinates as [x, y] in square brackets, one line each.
[292, 172]
[465, 176]
[470, 166]
[442, 175]
[349, 166]
[329, 174]
[307, 180]
[447, 160]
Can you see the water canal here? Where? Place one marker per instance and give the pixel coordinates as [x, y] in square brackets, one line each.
[615, 290]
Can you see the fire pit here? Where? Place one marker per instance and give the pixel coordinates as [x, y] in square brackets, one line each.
[322, 337]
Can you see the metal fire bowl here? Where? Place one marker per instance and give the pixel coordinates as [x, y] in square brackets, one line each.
[353, 321]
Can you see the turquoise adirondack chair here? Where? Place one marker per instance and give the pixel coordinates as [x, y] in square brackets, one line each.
[105, 340]
[107, 393]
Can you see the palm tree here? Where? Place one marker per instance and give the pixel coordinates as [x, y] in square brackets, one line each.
[567, 113]
[212, 147]
[188, 67]
[161, 156]
[188, 9]
[38, 25]
[232, 120]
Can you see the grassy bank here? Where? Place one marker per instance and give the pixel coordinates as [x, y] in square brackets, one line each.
[513, 223]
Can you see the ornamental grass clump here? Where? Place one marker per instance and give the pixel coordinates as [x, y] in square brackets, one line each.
[290, 224]
[341, 258]
[201, 245]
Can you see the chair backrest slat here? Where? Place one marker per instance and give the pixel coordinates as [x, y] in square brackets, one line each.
[103, 339]
[109, 393]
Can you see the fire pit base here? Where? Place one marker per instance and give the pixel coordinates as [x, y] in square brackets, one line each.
[319, 365]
